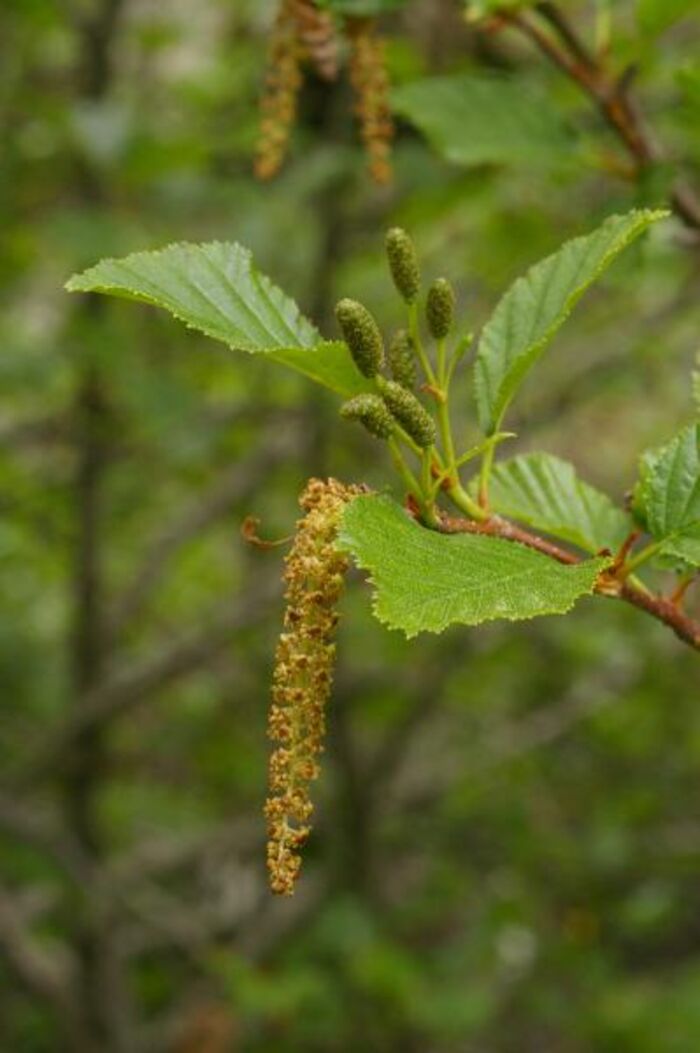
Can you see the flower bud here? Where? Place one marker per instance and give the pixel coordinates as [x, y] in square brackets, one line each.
[402, 359]
[403, 263]
[371, 411]
[409, 412]
[362, 336]
[440, 308]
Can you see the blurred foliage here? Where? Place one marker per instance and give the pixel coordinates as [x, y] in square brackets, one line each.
[506, 855]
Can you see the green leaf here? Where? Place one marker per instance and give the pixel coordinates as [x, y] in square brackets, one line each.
[473, 120]
[425, 581]
[362, 8]
[216, 289]
[545, 492]
[668, 495]
[536, 305]
[655, 16]
[696, 385]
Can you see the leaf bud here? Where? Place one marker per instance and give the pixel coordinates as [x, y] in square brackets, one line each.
[362, 336]
[403, 263]
[370, 411]
[440, 308]
[409, 412]
[402, 359]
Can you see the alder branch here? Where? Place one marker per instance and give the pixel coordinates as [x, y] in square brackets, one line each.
[609, 92]
[664, 610]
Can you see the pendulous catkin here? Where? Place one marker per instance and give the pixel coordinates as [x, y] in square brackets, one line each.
[316, 31]
[303, 674]
[370, 83]
[278, 106]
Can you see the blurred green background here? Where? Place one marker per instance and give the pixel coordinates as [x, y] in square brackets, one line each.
[507, 850]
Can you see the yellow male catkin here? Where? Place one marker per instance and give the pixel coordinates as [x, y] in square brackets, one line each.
[278, 105]
[303, 674]
[370, 83]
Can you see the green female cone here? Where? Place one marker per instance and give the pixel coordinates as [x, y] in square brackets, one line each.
[402, 359]
[440, 308]
[403, 263]
[370, 411]
[408, 411]
[362, 336]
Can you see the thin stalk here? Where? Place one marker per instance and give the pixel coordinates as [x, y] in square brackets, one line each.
[485, 475]
[412, 485]
[642, 556]
[418, 344]
[459, 497]
[457, 356]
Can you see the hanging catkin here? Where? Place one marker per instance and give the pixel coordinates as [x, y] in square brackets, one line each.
[278, 105]
[370, 84]
[317, 36]
[303, 674]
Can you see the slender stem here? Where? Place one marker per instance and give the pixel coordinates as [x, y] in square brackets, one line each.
[424, 500]
[428, 491]
[418, 344]
[457, 356]
[642, 556]
[485, 475]
[482, 447]
[462, 500]
[410, 481]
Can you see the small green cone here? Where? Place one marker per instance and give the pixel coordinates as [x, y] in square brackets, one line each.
[440, 308]
[408, 411]
[370, 411]
[403, 263]
[362, 336]
[402, 359]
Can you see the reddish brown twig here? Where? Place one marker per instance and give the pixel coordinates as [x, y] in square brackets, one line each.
[664, 610]
[609, 92]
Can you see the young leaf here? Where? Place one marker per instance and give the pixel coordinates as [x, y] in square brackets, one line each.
[425, 581]
[216, 289]
[473, 120]
[544, 492]
[668, 495]
[535, 307]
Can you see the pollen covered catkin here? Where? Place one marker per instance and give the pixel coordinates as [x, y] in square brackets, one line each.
[370, 84]
[278, 105]
[303, 673]
[317, 35]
